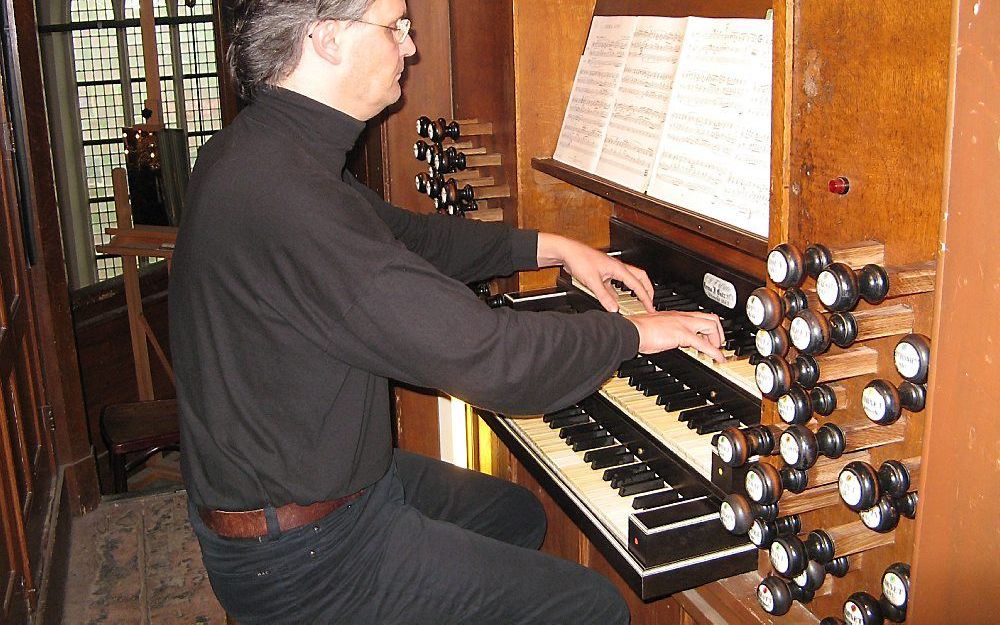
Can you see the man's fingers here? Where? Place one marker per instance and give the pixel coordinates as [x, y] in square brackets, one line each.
[708, 324]
[641, 285]
[607, 296]
[703, 345]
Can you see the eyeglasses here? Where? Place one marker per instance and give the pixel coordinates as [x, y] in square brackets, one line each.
[401, 29]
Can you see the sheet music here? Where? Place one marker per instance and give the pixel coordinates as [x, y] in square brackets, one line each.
[714, 157]
[592, 98]
[636, 122]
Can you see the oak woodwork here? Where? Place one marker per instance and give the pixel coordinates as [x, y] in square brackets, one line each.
[854, 537]
[883, 321]
[860, 91]
[57, 354]
[960, 475]
[848, 363]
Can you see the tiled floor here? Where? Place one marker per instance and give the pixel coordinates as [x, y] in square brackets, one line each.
[135, 561]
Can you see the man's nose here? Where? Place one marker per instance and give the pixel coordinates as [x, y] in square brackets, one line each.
[407, 48]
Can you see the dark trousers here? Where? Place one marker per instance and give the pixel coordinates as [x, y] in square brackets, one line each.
[427, 544]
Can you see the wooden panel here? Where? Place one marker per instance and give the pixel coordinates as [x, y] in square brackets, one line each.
[514, 63]
[387, 164]
[426, 91]
[956, 546]
[868, 95]
[56, 355]
[860, 91]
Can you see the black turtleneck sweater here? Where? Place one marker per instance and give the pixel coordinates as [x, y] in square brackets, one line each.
[296, 293]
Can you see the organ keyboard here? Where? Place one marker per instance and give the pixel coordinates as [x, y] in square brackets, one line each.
[633, 464]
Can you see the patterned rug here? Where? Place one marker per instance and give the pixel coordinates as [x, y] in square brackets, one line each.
[135, 560]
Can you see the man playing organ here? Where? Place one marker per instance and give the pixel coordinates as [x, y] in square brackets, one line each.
[297, 294]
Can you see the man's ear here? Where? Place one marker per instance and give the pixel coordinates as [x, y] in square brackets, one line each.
[326, 39]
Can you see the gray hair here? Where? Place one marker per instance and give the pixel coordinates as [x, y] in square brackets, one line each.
[266, 38]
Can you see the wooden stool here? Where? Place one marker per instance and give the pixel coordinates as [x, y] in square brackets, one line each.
[145, 427]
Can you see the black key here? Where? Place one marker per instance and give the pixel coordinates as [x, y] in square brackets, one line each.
[580, 428]
[707, 420]
[642, 487]
[718, 426]
[575, 419]
[565, 412]
[620, 472]
[572, 439]
[642, 381]
[744, 410]
[628, 480]
[638, 377]
[594, 443]
[628, 365]
[612, 461]
[599, 454]
[681, 394]
[655, 500]
[637, 372]
[694, 413]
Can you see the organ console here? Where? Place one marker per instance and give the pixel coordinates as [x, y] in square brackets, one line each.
[823, 130]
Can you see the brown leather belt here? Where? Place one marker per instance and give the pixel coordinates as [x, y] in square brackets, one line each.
[253, 523]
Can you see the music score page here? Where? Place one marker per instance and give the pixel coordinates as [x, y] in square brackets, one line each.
[678, 108]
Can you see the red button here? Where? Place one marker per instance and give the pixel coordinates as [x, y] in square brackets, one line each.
[840, 185]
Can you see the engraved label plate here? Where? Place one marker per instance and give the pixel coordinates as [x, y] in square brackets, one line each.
[720, 290]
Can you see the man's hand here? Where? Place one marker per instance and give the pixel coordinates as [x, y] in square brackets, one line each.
[668, 330]
[594, 269]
